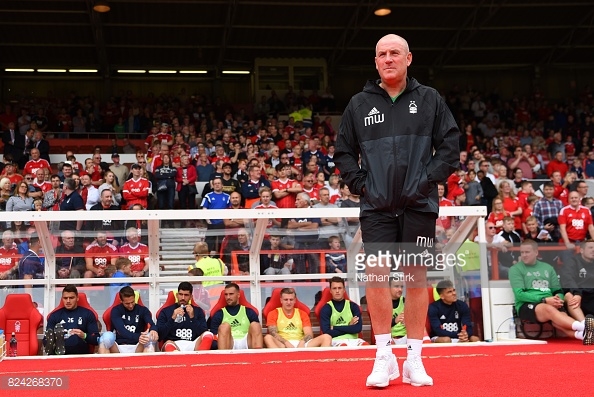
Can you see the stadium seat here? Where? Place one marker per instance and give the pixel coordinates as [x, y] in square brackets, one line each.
[82, 302]
[222, 302]
[325, 298]
[171, 299]
[275, 302]
[20, 316]
[107, 314]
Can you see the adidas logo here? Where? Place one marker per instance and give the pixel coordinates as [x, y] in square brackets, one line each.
[373, 111]
[235, 323]
[442, 317]
[340, 321]
[290, 327]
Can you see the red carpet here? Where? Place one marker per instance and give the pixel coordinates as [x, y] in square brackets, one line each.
[558, 368]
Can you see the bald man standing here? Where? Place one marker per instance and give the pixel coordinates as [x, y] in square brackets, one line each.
[407, 140]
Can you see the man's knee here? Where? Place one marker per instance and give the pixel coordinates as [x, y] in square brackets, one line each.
[255, 329]
[224, 329]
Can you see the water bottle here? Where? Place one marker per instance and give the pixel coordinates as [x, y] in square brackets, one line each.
[179, 318]
[12, 352]
[149, 347]
[512, 329]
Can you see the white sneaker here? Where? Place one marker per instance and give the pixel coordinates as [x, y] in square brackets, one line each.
[413, 372]
[384, 370]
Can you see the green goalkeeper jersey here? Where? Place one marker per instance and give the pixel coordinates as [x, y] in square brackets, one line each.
[532, 283]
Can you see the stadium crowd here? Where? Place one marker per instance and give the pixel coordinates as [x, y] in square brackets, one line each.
[257, 160]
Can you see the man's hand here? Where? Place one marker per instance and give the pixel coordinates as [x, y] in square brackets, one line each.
[554, 301]
[77, 332]
[143, 339]
[354, 320]
[400, 318]
[463, 336]
[190, 311]
[549, 227]
[573, 301]
[178, 312]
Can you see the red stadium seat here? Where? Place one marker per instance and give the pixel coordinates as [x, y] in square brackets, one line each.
[222, 302]
[82, 302]
[171, 299]
[117, 301]
[20, 316]
[275, 302]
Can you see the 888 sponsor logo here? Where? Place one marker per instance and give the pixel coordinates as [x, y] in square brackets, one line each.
[101, 262]
[185, 333]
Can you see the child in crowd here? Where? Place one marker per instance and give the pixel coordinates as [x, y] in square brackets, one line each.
[335, 261]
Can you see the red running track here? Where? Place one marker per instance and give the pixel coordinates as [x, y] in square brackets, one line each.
[559, 368]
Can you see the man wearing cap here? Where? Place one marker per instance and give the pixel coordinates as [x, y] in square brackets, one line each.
[136, 189]
[9, 172]
[230, 185]
[120, 170]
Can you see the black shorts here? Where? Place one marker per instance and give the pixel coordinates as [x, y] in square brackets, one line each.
[413, 231]
[527, 312]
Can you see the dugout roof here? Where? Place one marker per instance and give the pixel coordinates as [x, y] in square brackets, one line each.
[230, 34]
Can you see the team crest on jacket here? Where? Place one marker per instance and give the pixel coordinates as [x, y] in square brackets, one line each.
[373, 117]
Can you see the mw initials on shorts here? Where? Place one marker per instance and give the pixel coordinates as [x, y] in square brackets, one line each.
[426, 242]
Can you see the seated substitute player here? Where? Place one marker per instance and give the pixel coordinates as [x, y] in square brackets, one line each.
[577, 279]
[71, 329]
[539, 297]
[182, 326]
[398, 328]
[290, 327]
[130, 323]
[341, 318]
[449, 317]
[238, 327]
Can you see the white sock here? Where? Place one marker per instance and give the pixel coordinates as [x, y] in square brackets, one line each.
[384, 345]
[579, 335]
[578, 325]
[413, 348]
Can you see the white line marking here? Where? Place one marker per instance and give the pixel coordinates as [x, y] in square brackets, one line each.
[277, 362]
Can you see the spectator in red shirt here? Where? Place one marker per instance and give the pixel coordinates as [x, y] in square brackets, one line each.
[136, 189]
[557, 164]
[511, 204]
[35, 163]
[575, 222]
[98, 255]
